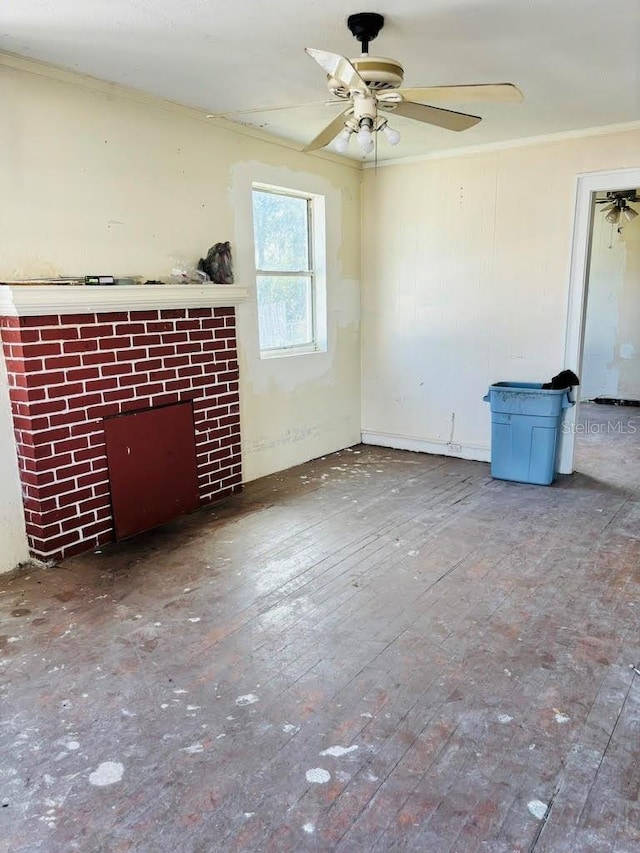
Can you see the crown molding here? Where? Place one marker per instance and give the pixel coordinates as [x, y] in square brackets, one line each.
[128, 93]
[24, 300]
[523, 142]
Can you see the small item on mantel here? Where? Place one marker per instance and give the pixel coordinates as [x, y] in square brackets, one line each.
[99, 279]
[153, 281]
[183, 272]
[218, 264]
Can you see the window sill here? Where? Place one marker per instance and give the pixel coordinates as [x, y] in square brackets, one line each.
[291, 351]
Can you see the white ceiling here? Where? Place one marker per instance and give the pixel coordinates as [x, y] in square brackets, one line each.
[577, 61]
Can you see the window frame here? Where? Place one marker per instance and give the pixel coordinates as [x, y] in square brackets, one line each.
[316, 272]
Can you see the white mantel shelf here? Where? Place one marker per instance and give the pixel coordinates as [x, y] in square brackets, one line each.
[21, 300]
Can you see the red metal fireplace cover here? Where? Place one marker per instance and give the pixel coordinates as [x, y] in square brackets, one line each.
[152, 467]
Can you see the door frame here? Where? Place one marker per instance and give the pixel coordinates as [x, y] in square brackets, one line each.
[587, 185]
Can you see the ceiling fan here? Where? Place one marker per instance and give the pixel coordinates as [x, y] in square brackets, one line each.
[617, 205]
[371, 86]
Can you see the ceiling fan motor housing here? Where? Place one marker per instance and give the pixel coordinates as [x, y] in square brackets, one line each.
[379, 73]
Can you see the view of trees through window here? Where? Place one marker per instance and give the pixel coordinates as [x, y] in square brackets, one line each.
[281, 225]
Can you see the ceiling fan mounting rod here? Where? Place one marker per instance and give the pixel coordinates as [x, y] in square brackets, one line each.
[365, 26]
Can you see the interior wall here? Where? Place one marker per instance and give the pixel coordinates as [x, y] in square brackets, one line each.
[97, 179]
[466, 272]
[611, 359]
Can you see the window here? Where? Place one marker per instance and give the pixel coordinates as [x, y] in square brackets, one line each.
[289, 243]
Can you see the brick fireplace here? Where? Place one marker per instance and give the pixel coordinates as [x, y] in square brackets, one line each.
[101, 354]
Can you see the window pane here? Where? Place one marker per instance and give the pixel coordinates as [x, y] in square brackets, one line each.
[285, 315]
[280, 226]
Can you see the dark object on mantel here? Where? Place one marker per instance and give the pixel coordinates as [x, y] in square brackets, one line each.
[218, 264]
[615, 401]
[564, 379]
[153, 281]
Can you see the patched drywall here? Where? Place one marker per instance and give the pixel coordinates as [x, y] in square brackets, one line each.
[13, 538]
[466, 278]
[97, 179]
[611, 355]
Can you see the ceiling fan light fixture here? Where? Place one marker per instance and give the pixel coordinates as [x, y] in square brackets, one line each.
[629, 213]
[391, 135]
[613, 216]
[342, 140]
[365, 135]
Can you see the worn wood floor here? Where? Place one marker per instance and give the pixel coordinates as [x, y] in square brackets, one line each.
[376, 651]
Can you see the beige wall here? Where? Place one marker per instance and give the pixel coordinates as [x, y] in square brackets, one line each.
[97, 179]
[466, 273]
[611, 360]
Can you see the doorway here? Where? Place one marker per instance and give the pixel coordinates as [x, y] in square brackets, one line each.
[589, 190]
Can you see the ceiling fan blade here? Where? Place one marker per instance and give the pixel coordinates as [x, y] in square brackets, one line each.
[330, 132]
[274, 109]
[434, 115]
[340, 68]
[502, 93]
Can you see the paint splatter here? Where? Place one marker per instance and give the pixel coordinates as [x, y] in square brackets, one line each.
[107, 773]
[194, 748]
[318, 775]
[338, 751]
[289, 727]
[367, 715]
[504, 718]
[194, 619]
[247, 699]
[560, 717]
[73, 745]
[537, 808]
[309, 828]
[193, 707]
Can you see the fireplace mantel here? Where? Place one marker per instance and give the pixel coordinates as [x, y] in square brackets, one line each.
[22, 300]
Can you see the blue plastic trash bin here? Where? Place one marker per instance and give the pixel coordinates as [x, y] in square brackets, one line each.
[525, 427]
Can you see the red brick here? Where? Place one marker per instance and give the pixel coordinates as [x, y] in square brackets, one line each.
[209, 346]
[48, 406]
[160, 326]
[190, 370]
[55, 463]
[130, 329]
[62, 362]
[40, 350]
[160, 375]
[83, 373]
[101, 331]
[148, 364]
[77, 319]
[86, 455]
[165, 399]
[132, 354]
[72, 471]
[91, 479]
[46, 320]
[213, 323]
[59, 334]
[57, 434]
[113, 317]
[84, 401]
[66, 418]
[225, 333]
[79, 346]
[69, 390]
[183, 325]
[177, 385]
[133, 380]
[71, 444]
[119, 394]
[151, 389]
[100, 357]
[38, 380]
[51, 546]
[117, 369]
[102, 489]
[225, 312]
[161, 351]
[115, 343]
[74, 497]
[147, 340]
[176, 361]
[188, 348]
[199, 312]
[102, 384]
[96, 528]
[9, 322]
[102, 411]
[19, 336]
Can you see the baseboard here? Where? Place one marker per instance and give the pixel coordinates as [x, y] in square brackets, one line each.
[475, 452]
